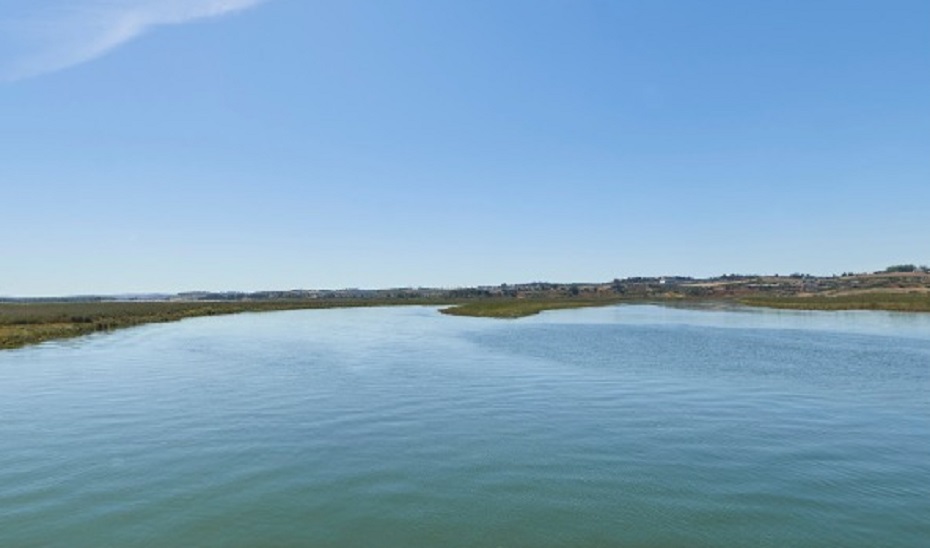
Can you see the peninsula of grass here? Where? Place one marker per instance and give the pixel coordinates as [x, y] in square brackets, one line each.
[23, 324]
[894, 302]
[519, 308]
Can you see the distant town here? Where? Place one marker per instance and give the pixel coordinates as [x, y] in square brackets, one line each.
[904, 277]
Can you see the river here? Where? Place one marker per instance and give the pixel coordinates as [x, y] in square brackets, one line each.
[618, 426]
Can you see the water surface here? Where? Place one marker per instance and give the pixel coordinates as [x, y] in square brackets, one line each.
[629, 425]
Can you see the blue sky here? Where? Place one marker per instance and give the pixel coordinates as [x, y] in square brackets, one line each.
[171, 145]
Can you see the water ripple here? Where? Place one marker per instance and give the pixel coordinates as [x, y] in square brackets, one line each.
[398, 427]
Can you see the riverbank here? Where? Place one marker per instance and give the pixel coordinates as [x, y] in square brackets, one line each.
[889, 301]
[519, 308]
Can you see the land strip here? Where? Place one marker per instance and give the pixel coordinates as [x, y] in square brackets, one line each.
[519, 308]
[917, 301]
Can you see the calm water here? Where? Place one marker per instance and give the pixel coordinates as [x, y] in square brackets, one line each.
[630, 426]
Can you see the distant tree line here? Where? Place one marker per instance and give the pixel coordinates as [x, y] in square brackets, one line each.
[907, 268]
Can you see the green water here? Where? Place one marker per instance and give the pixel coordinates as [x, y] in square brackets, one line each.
[622, 426]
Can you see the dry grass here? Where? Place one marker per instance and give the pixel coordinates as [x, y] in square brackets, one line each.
[519, 308]
[911, 301]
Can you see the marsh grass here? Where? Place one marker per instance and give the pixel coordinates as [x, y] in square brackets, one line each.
[917, 301]
[897, 302]
[519, 308]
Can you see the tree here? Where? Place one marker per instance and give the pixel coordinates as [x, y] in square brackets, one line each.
[618, 286]
[901, 268]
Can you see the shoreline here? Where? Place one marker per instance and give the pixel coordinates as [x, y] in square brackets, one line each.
[26, 324]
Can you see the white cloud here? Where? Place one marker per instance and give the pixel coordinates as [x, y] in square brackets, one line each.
[51, 35]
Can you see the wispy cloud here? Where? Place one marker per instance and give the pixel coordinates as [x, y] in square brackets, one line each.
[50, 35]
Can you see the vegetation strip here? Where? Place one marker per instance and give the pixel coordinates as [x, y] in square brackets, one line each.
[894, 302]
[519, 308]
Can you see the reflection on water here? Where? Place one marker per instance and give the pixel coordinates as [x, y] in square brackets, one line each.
[631, 425]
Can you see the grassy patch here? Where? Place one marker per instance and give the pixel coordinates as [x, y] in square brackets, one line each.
[898, 302]
[519, 308]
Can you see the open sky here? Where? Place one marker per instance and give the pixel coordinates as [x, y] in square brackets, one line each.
[171, 145]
